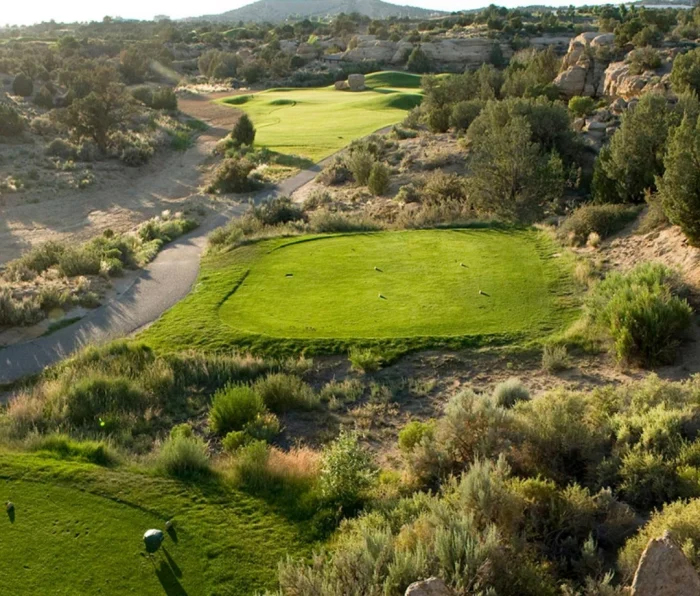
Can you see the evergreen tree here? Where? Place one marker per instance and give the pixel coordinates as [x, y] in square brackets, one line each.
[243, 132]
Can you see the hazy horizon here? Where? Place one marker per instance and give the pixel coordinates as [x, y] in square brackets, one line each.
[71, 11]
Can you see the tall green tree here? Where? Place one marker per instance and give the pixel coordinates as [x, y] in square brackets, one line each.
[635, 155]
[243, 131]
[679, 187]
[510, 176]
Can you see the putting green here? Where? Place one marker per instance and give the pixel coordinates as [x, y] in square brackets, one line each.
[398, 284]
[314, 123]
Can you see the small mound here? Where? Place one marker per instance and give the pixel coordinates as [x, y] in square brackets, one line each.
[283, 102]
[393, 79]
[238, 100]
[396, 101]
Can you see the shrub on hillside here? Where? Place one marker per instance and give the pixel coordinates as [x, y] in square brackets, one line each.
[642, 312]
[62, 148]
[414, 432]
[65, 447]
[334, 173]
[281, 392]
[164, 98]
[233, 176]
[22, 85]
[510, 392]
[183, 457]
[379, 179]
[464, 113]
[366, 359]
[44, 98]
[581, 106]
[347, 470]
[233, 407]
[277, 211]
[360, 162]
[243, 132]
[604, 220]
[11, 122]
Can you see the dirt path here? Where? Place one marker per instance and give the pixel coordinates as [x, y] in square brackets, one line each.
[123, 197]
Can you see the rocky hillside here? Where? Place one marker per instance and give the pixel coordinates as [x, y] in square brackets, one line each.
[281, 10]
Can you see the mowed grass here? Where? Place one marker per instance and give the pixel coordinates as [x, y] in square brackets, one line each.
[77, 529]
[404, 290]
[315, 123]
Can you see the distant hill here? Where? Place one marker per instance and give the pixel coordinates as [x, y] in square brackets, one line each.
[281, 10]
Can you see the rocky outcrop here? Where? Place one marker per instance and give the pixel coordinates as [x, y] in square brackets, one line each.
[618, 82]
[356, 82]
[462, 52]
[433, 586]
[665, 571]
[582, 70]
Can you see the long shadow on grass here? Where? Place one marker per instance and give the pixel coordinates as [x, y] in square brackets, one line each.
[169, 581]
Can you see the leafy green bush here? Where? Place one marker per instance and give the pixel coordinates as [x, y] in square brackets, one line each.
[265, 427]
[642, 312]
[281, 392]
[464, 113]
[643, 59]
[243, 132]
[233, 407]
[366, 359]
[379, 179]
[347, 470]
[581, 106]
[554, 358]
[510, 392]
[412, 434]
[604, 220]
[11, 122]
[183, 457]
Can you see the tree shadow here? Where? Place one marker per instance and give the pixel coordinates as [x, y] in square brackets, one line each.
[177, 572]
[169, 581]
[172, 532]
[11, 515]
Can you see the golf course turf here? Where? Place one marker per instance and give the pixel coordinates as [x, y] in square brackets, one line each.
[314, 123]
[77, 529]
[402, 290]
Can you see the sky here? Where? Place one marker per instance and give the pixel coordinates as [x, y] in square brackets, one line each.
[18, 12]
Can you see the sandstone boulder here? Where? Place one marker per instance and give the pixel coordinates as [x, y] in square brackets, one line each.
[665, 571]
[371, 50]
[582, 73]
[341, 85]
[619, 82]
[356, 82]
[433, 586]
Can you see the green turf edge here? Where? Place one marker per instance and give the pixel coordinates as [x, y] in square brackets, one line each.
[194, 324]
[236, 539]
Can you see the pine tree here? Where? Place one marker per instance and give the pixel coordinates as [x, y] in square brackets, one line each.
[243, 132]
[679, 187]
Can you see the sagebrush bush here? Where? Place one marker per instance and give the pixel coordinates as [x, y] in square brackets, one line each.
[347, 470]
[360, 162]
[379, 179]
[233, 175]
[22, 85]
[412, 434]
[243, 131]
[510, 392]
[233, 407]
[334, 173]
[366, 359]
[11, 122]
[62, 148]
[643, 313]
[164, 98]
[281, 392]
[554, 358]
[276, 211]
[603, 220]
[183, 457]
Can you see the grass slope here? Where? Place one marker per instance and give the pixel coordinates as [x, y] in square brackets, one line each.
[323, 293]
[78, 529]
[315, 123]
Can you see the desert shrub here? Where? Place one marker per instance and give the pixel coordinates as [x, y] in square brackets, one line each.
[136, 154]
[233, 176]
[407, 194]
[642, 59]
[334, 173]
[11, 122]
[317, 199]
[360, 162]
[604, 220]
[329, 222]
[510, 392]
[233, 407]
[281, 392]
[164, 98]
[464, 113]
[265, 427]
[183, 457]
[243, 132]
[276, 211]
[62, 148]
[685, 75]
[14, 312]
[235, 440]
[418, 61]
[414, 432]
[379, 179]
[143, 94]
[81, 260]
[581, 106]
[65, 447]
[22, 85]
[44, 98]
[347, 470]
[554, 358]
[438, 118]
[647, 480]
[443, 187]
[366, 359]
[642, 312]
[680, 519]
[338, 393]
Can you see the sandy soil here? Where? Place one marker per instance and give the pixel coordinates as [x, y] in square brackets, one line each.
[123, 197]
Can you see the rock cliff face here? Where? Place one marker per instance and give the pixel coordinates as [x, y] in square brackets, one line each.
[619, 82]
[584, 66]
[433, 586]
[664, 571]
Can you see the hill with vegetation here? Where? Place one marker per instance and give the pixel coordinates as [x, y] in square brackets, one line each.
[281, 10]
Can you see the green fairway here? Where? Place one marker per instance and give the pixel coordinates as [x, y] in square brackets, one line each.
[77, 529]
[405, 289]
[314, 123]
